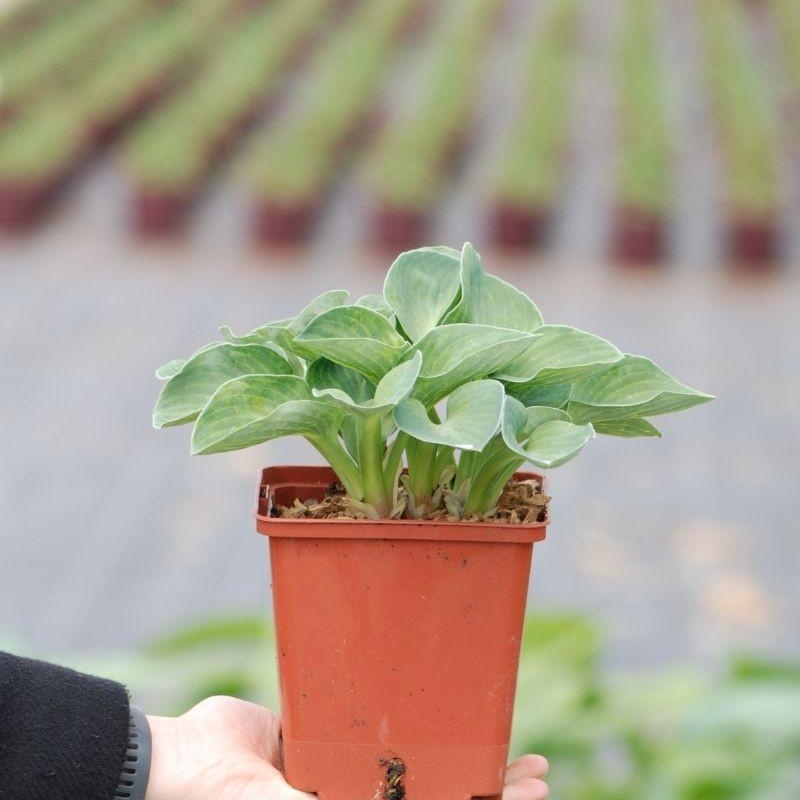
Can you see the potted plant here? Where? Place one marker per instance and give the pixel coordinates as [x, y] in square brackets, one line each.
[644, 159]
[40, 150]
[290, 169]
[171, 156]
[400, 572]
[61, 51]
[748, 135]
[532, 169]
[410, 163]
[20, 20]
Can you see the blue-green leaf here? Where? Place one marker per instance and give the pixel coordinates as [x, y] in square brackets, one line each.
[393, 388]
[472, 418]
[354, 337]
[324, 374]
[455, 354]
[627, 428]
[336, 298]
[633, 387]
[488, 300]
[377, 303]
[189, 389]
[541, 440]
[420, 287]
[560, 355]
[171, 368]
[532, 394]
[256, 408]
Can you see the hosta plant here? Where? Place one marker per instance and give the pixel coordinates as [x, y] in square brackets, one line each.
[451, 373]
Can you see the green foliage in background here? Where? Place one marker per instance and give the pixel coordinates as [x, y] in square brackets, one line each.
[667, 735]
[56, 51]
[152, 53]
[18, 20]
[451, 368]
[532, 169]
[644, 182]
[175, 147]
[294, 160]
[50, 135]
[744, 107]
[786, 15]
[407, 163]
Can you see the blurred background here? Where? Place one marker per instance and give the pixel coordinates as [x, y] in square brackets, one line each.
[167, 166]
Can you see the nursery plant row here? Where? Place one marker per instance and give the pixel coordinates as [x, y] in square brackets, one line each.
[407, 167]
[62, 49]
[75, 72]
[644, 193]
[532, 170]
[746, 125]
[44, 145]
[290, 168]
[171, 155]
[786, 15]
[24, 16]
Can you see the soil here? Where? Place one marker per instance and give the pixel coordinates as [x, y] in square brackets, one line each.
[521, 503]
[395, 779]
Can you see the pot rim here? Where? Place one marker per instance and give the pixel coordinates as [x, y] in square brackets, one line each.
[440, 530]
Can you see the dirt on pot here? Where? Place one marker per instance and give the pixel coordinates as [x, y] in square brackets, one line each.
[395, 778]
[521, 503]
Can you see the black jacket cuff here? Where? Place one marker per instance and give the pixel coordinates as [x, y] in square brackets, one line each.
[62, 734]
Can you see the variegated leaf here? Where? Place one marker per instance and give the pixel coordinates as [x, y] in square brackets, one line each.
[472, 418]
[547, 443]
[488, 300]
[560, 355]
[420, 287]
[455, 354]
[256, 408]
[633, 387]
[354, 337]
[188, 390]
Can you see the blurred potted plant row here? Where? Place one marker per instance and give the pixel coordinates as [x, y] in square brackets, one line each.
[358, 86]
[747, 133]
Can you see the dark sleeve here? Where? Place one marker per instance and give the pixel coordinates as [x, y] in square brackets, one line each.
[62, 734]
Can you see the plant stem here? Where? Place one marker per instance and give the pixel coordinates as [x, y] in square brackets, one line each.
[464, 472]
[343, 465]
[421, 458]
[371, 448]
[488, 484]
[393, 460]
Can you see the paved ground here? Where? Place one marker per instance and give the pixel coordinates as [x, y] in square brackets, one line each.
[111, 533]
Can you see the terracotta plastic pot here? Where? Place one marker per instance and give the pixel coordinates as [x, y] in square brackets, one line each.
[275, 223]
[160, 213]
[399, 228]
[398, 647]
[753, 244]
[515, 228]
[638, 238]
[22, 205]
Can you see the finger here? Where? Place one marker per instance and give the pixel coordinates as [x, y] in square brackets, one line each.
[287, 792]
[526, 789]
[529, 766]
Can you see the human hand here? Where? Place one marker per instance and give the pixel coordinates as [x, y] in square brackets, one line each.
[227, 749]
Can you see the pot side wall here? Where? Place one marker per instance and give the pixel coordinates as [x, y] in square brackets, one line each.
[396, 647]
